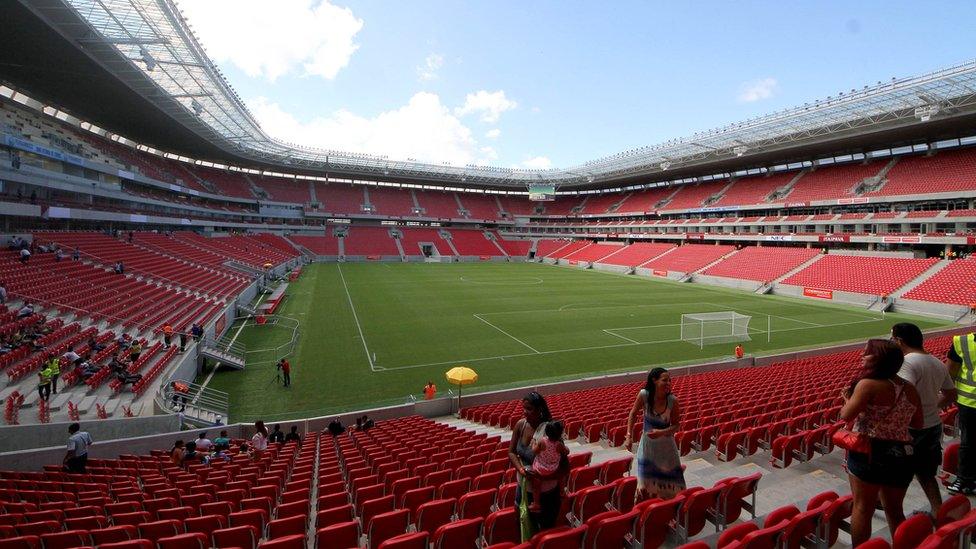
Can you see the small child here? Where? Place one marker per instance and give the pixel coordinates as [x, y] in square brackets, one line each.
[549, 451]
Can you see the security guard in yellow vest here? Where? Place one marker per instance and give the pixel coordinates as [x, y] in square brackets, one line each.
[961, 360]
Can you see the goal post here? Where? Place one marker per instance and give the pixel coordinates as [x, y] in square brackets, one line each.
[702, 329]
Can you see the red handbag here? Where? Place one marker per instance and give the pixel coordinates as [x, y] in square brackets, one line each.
[851, 441]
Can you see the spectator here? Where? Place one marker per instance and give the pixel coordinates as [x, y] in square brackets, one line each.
[430, 390]
[526, 433]
[130, 237]
[79, 441]
[53, 365]
[76, 255]
[293, 435]
[259, 442]
[124, 340]
[659, 472]
[177, 453]
[203, 443]
[119, 268]
[549, 453]
[44, 384]
[882, 407]
[25, 255]
[222, 442]
[94, 345]
[26, 310]
[3, 292]
[277, 436]
[58, 254]
[935, 391]
[167, 335]
[197, 332]
[88, 369]
[134, 351]
[182, 341]
[71, 357]
[739, 352]
[190, 453]
[960, 360]
[33, 196]
[13, 243]
[336, 428]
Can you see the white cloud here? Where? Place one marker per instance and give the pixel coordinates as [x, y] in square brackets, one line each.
[433, 63]
[490, 105]
[758, 90]
[271, 39]
[537, 163]
[423, 129]
[493, 133]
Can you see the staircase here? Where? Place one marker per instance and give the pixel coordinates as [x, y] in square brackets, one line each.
[258, 192]
[201, 406]
[785, 190]
[227, 353]
[802, 266]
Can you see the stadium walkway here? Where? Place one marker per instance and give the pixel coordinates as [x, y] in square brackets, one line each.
[778, 487]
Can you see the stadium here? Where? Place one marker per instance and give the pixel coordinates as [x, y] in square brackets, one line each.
[172, 253]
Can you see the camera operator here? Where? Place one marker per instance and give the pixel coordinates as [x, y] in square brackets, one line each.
[285, 371]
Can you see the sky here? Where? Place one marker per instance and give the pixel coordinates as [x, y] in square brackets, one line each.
[547, 83]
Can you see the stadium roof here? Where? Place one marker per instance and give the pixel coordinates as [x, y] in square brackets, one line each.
[135, 68]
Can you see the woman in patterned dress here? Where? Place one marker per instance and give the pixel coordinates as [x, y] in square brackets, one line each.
[659, 471]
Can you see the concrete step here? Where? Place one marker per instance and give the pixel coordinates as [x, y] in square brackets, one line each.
[87, 404]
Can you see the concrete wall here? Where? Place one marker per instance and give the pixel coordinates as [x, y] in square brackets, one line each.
[20, 437]
[912, 306]
[620, 269]
[746, 285]
[861, 300]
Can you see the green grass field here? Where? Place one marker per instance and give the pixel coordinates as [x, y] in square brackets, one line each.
[372, 333]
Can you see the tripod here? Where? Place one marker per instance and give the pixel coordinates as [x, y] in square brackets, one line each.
[277, 377]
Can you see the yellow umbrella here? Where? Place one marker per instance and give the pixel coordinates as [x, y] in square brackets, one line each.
[461, 375]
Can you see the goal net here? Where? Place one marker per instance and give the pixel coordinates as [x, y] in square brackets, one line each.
[702, 329]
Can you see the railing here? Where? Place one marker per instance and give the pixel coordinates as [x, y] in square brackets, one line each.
[197, 402]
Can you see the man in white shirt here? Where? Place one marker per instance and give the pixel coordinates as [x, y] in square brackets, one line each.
[204, 443]
[936, 391]
[78, 443]
[71, 357]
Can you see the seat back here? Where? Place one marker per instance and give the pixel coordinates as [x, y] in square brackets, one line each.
[476, 504]
[293, 541]
[433, 514]
[21, 542]
[335, 515]
[194, 540]
[590, 501]
[737, 495]
[698, 508]
[836, 513]
[657, 520]
[66, 539]
[113, 534]
[338, 536]
[615, 468]
[803, 527]
[503, 526]
[566, 539]
[413, 540]
[288, 526]
[953, 509]
[462, 533]
[624, 492]
[160, 529]
[610, 531]
[912, 532]
[387, 525]
[583, 477]
[245, 537]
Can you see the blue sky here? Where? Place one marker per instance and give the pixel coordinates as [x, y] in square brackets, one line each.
[539, 84]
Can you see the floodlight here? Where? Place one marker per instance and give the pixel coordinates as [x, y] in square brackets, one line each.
[926, 112]
[740, 150]
[665, 165]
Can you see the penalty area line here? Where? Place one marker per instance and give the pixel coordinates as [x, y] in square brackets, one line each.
[524, 344]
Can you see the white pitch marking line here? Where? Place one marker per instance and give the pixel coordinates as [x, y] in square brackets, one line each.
[508, 334]
[482, 359]
[356, 318]
[621, 337]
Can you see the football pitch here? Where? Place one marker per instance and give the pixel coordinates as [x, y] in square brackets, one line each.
[374, 333]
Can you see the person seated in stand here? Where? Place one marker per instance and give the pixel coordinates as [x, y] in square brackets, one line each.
[76, 255]
[124, 341]
[203, 443]
[336, 428]
[222, 442]
[549, 451]
[94, 346]
[293, 435]
[277, 436]
[88, 369]
[190, 454]
[24, 255]
[71, 357]
[26, 310]
[58, 254]
[177, 453]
